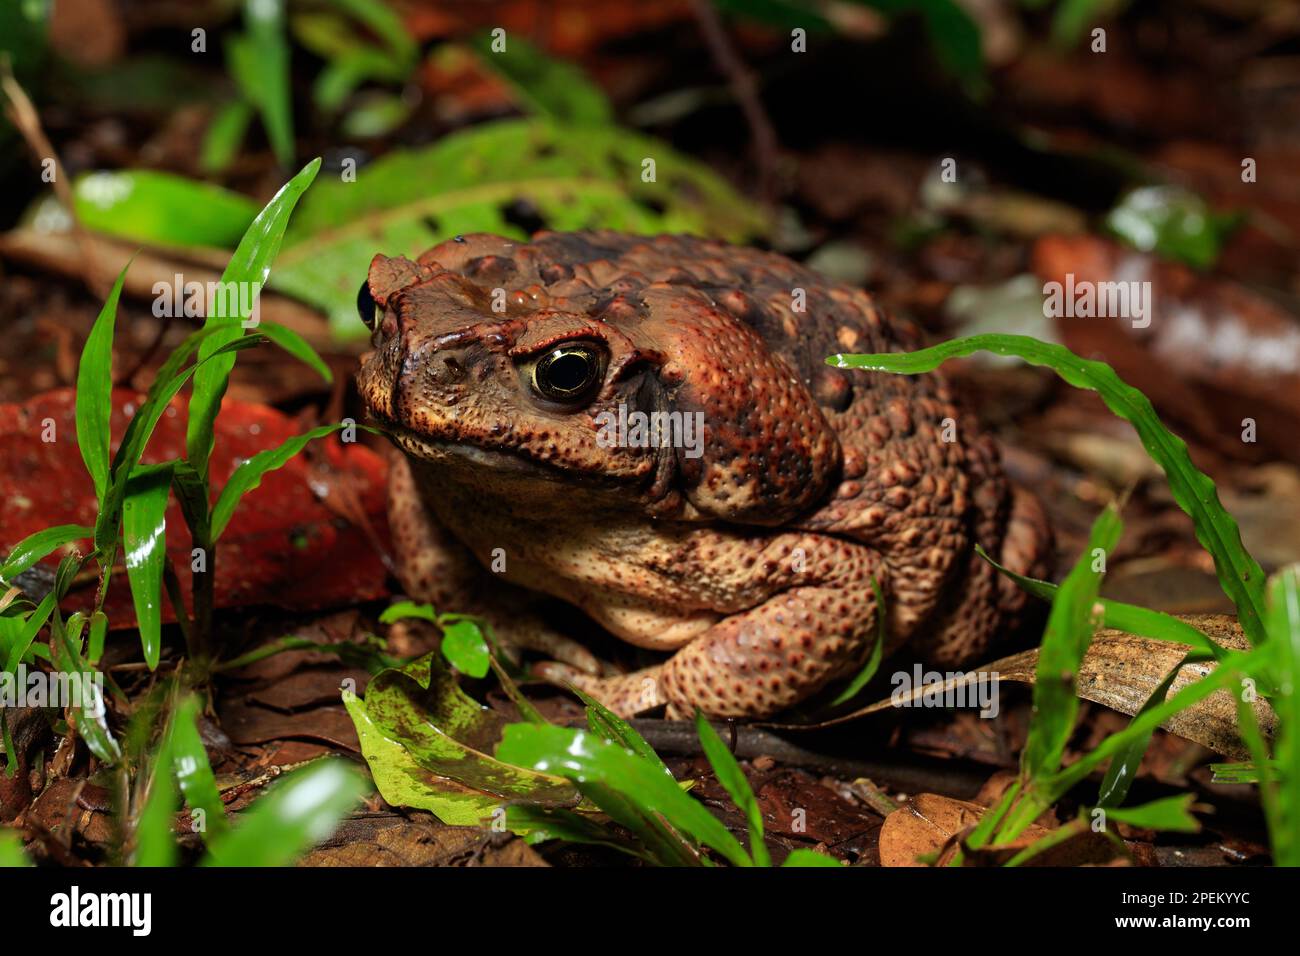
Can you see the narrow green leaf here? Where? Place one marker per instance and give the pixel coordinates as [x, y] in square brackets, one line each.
[144, 539]
[248, 268]
[877, 652]
[298, 812]
[194, 772]
[155, 840]
[732, 778]
[297, 346]
[1239, 574]
[98, 632]
[1123, 769]
[138, 432]
[224, 135]
[95, 390]
[36, 546]
[1284, 635]
[249, 474]
[1171, 814]
[615, 729]
[1141, 621]
[31, 627]
[1070, 628]
[258, 60]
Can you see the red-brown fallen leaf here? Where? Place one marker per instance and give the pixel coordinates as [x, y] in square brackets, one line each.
[283, 547]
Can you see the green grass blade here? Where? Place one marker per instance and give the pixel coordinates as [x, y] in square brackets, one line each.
[155, 840]
[144, 546]
[877, 653]
[1239, 574]
[251, 263]
[1284, 634]
[1171, 814]
[31, 627]
[615, 729]
[1070, 628]
[583, 756]
[36, 546]
[94, 402]
[297, 813]
[259, 62]
[1141, 621]
[732, 778]
[194, 772]
[297, 346]
[138, 432]
[1123, 769]
[249, 475]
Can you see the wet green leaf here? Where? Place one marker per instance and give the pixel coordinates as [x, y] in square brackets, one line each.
[1123, 617]
[1171, 814]
[1239, 574]
[298, 811]
[732, 778]
[155, 839]
[588, 760]
[464, 646]
[615, 729]
[248, 268]
[1070, 628]
[36, 546]
[249, 475]
[193, 770]
[144, 545]
[95, 390]
[1284, 635]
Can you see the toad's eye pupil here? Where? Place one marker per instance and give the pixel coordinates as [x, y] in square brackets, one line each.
[566, 373]
[366, 305]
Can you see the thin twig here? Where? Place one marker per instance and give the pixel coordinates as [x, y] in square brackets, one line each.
[745, 90]
[21, 112]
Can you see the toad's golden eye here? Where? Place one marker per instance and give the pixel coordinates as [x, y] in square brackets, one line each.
[567, 373]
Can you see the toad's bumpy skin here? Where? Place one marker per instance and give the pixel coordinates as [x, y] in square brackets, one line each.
[749, 554]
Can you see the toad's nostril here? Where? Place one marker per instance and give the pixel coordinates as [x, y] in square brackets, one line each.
[366, 307]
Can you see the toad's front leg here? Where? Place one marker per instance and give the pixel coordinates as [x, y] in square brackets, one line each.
[758, 662]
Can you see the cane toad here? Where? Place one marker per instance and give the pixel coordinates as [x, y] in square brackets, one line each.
[548, 398]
